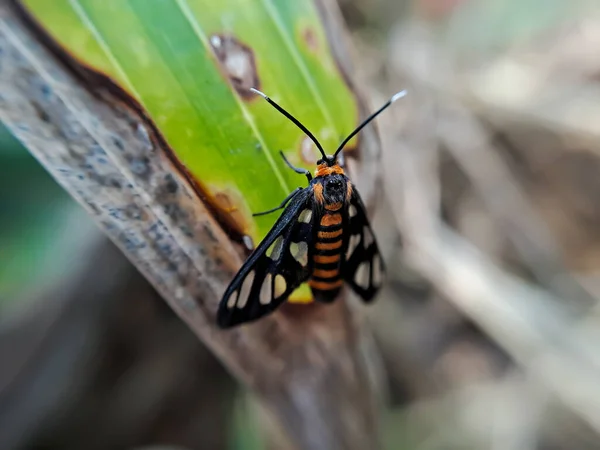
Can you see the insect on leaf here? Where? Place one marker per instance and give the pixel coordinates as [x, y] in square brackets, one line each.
[190, 64]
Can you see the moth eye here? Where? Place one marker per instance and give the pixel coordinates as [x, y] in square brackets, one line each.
[354, 241]
[377, 272]
[352, 211]
[361, 277]
[280, 285]
[305, 216]
[244, 292]
[368, 237]
[266, 290]
[299, 251]
[274, 251]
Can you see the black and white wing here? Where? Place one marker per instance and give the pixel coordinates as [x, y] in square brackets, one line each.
[280, 263]
[363, 267]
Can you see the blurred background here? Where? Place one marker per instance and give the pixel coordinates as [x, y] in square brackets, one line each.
[491, 208]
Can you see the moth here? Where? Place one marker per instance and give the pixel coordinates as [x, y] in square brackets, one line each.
[323, 237]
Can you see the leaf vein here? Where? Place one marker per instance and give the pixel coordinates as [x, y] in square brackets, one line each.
[189, 15]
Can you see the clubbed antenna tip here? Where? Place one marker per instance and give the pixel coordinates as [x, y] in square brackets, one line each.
[395, 97]
[369, 119]
[262, 94]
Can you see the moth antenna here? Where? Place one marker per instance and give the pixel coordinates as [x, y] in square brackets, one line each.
[394, 97]
[292, 118]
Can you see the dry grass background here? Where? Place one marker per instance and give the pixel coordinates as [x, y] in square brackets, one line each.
[490, 219]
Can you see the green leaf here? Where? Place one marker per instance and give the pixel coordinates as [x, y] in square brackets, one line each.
[189, 63]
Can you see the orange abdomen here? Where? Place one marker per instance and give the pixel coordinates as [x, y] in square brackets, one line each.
[326, 279]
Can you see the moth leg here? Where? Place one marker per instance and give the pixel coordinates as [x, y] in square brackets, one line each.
[283, 203]
[296, 169]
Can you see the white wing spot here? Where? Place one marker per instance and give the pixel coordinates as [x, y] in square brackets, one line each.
[299, 251]
[352, 211]
[266, 290]
[377, 272]
[274, 251]
[352, 244]
[280, 285]
[242, 302]
[368, 237]
[231, 300]
[245, 290]
[361, 277]
[305, 216]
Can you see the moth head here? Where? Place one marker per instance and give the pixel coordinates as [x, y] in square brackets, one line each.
[328, 166]
[328, 160]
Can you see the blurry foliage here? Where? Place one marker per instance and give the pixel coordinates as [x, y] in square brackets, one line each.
[245, 425]
[34, 212]
[520, 164]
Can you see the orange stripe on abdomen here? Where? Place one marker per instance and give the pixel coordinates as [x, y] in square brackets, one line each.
[327, 252]
[333, 206]
[329, 234]
[327, 259]
[321, 273]
[328, 245]
[325, 285]
[331, 219]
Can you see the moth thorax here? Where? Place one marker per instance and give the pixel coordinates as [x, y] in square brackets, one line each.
[324, 169]
[334, 188]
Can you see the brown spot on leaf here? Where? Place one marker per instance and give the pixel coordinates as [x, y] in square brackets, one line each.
[231, 208]
[237, 63]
